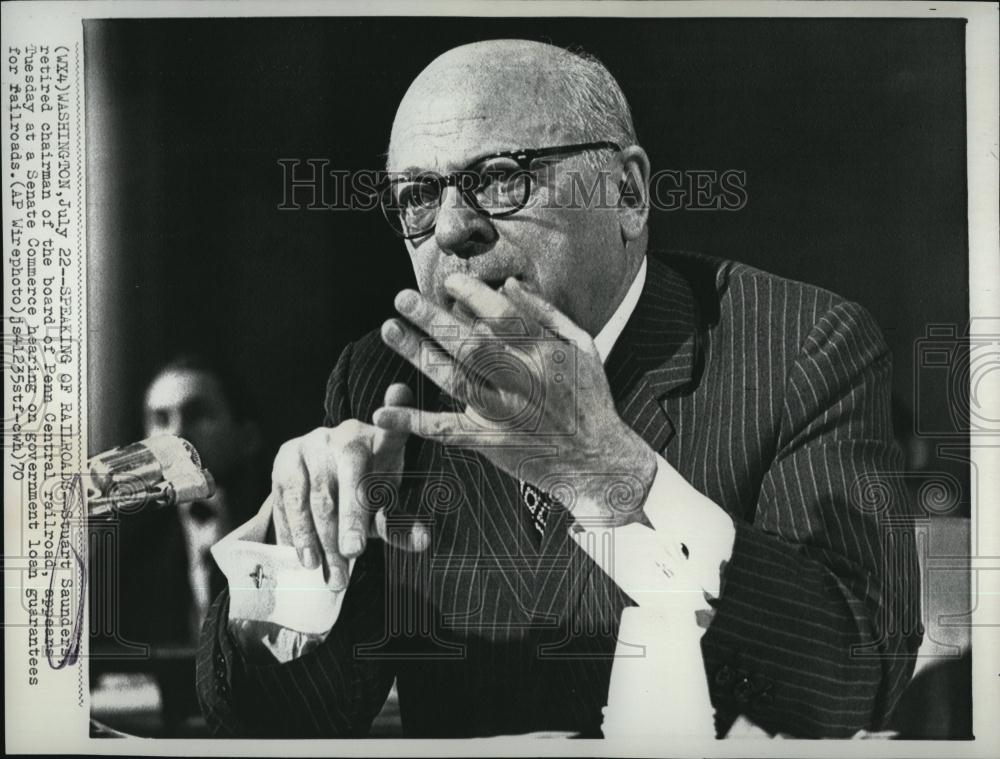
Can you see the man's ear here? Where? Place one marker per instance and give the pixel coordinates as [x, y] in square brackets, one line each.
[633, 192]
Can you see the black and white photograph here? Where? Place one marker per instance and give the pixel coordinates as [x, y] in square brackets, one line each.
[533, 377]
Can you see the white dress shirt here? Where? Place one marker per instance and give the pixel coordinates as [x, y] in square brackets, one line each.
[671, 569]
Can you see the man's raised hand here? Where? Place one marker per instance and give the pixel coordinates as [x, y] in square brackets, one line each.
[517, 401]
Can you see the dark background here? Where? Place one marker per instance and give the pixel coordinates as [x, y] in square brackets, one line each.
[852, 134]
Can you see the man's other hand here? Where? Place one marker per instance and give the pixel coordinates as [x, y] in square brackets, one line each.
[319, 492]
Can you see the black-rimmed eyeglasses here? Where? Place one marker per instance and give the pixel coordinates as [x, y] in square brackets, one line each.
[495, 185]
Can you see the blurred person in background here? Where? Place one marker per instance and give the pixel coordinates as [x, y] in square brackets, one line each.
[165, 576]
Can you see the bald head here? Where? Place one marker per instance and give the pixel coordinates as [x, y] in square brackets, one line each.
[503, 96]
[507, 91]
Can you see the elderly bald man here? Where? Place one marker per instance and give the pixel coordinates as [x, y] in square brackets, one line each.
[551, 386]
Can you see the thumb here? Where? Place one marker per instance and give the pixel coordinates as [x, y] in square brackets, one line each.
[399, 394]
[389, 444]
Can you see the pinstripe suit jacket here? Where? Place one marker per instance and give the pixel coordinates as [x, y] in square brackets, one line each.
[769, 396]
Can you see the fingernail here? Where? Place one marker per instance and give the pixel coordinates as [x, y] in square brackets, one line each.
[392, 331]
[406, 301]
[421, 540]
[338, 580]
[308, 559]
[351, 545]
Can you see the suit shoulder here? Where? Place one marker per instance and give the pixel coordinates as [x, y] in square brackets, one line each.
[727, 275]
[734, 293]
[822, 314]
[363, 372]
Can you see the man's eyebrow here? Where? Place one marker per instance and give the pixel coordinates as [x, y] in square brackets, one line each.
[411, 171]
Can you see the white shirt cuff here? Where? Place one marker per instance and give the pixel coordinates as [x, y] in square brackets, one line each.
[268, 584]
[678, 563]
[689, 524]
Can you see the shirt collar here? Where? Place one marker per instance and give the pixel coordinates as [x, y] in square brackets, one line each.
[605, 339]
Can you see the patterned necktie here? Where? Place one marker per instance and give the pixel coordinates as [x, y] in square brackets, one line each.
[539, 504]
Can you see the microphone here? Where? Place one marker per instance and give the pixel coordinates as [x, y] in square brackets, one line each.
[160, 471]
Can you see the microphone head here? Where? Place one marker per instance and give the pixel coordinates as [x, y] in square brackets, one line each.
[163, 470]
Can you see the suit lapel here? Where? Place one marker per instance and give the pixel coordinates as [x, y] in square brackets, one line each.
[655, 356]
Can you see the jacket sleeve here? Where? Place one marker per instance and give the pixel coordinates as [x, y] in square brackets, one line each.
[331, 691]
[818, 620]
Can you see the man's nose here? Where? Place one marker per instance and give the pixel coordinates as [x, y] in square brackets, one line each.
[460, 229]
